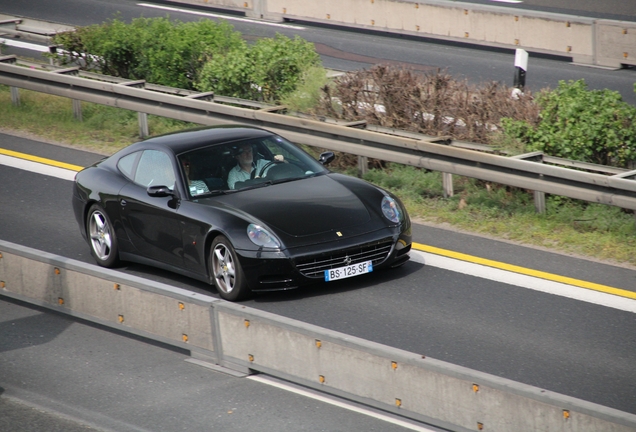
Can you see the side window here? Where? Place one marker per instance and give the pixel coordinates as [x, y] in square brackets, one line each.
[127, 164]
[155, 169]
[277, 149]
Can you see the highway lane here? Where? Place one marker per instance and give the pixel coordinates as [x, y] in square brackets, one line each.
[344, 50]
[621, 10]
[61, 374]
[571, 347]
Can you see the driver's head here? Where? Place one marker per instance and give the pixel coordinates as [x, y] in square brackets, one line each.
[244, 155]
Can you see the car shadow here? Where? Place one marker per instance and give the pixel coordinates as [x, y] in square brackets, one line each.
[318, 288]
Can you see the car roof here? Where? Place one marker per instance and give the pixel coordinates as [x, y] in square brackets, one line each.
[189, 139]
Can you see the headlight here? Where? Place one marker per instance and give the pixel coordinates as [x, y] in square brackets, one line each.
[261, 237]
[391, 209]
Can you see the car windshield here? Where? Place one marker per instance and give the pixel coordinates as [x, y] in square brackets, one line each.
[242, 165]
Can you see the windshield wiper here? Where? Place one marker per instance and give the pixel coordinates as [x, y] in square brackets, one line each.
[254, 186]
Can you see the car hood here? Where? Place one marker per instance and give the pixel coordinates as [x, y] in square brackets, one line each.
[302, 207]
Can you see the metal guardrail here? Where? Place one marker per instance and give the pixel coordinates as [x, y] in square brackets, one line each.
[613, 189]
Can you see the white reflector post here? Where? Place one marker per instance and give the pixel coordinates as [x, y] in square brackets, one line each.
[521, 66]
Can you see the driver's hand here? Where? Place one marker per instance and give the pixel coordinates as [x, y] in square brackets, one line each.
[279, 158]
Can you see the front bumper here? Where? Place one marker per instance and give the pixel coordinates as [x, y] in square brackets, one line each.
[306, 265]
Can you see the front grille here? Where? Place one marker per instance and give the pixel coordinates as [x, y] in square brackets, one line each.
[315, 266]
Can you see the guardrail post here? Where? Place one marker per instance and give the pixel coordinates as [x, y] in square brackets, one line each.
[363, 165]
[142, 117]
[539, 202]
[539, 197]
[77, 104]
[447, 184]
[15, 93]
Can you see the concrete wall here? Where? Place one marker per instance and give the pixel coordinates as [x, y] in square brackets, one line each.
[246, 339]
[587, 41]
[121, 301]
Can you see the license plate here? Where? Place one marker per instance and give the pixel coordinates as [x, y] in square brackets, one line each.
[348, 271]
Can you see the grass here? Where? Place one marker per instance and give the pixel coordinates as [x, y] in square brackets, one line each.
[585, 229]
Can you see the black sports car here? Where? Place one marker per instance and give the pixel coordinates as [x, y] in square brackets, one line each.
[239, 207]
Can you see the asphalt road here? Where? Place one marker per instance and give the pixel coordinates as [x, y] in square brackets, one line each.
[58, 374]
[622, 10]
[567, 346]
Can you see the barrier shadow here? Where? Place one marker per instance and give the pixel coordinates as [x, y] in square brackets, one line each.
[31, 330]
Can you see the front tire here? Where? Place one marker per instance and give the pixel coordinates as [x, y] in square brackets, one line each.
[101, 237]
[227, 271]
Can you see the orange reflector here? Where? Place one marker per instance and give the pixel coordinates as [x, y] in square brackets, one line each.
[394, 365]
[475, 388]
[116, 287]
[250, 357]
[60, 300]
[185, 337]
[566, 414]
[57, 271]
[398, 402]
[181, 306]
[121, 318]
[318, 343]
[321, 378]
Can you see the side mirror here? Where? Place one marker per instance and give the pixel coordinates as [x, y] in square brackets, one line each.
[326, 157]
[159, 191]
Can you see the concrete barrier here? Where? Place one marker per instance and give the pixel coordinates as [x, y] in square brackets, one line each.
[124, 302]
[241, 338]
[587, 41]
[615, 43]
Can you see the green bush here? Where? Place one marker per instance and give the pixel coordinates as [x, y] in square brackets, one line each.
[576, 123]
[269, 70]
[157, 50]
[199, 55]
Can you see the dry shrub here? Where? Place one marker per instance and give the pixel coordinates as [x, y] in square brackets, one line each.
[432, 104]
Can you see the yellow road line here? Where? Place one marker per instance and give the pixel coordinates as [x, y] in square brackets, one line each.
[526, 271]
[41, 160]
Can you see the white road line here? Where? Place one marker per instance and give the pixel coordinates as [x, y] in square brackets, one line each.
[524, 281]
[507, 1]
[339, 403]
[36, 167]
[225, 17]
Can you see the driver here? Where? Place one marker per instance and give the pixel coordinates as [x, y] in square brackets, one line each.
[247, 168]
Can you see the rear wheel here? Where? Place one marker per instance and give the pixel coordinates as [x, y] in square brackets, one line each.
[226, 270]
[101, 237]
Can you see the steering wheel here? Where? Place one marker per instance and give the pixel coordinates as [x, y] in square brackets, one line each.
[267, 165]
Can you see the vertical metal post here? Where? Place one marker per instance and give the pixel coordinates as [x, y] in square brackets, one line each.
[363, 165]
[447, 184]
[77, 105]
[77, 109]
[141, 117]
[521, 66]
[539, 202]
[15, 96]
[143, 124]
